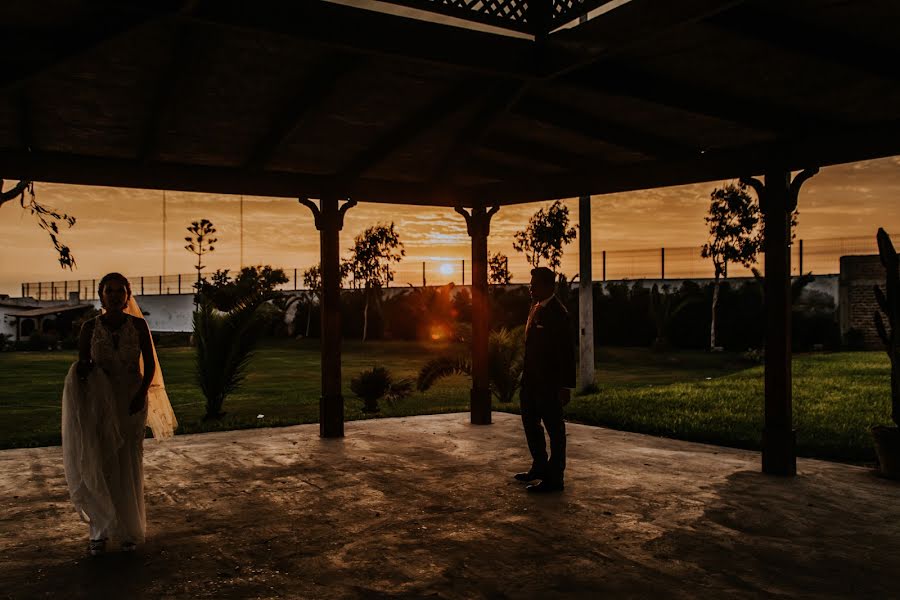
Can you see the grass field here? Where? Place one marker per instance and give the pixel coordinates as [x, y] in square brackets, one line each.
[697, 396]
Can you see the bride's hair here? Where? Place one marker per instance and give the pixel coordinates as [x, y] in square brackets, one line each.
[114, 277]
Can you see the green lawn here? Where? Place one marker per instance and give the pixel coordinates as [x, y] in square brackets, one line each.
[689, 395]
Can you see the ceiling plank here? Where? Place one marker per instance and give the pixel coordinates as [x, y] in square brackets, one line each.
[54, 50]
[784, 32]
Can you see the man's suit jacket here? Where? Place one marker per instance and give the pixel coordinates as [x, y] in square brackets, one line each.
[549, 350]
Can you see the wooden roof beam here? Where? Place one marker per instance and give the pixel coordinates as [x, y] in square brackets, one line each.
[346, 29]
[620, 79]
[53, 167]
[816, 149]
[312, 93]
[418, 123]
[579, 122]
[169, 86]
[493, 104]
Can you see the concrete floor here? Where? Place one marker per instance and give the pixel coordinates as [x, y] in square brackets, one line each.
[426, 507]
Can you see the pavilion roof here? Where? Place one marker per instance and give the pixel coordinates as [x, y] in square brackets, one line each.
[312, 98]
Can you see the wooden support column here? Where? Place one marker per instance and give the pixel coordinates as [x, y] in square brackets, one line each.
[329, 221]
[778, 200]
[585, 296]
[478, 224]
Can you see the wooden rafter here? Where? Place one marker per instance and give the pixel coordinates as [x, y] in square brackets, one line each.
[493, 104]
[416, 124]
[822, 148]
[312, 93]
[620, 79]
[535, 151]
[604, 130]
[167, 90]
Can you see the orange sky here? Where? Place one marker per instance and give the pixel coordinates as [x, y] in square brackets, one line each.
[121, 229]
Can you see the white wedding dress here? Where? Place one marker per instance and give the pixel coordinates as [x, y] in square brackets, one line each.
[102, 444]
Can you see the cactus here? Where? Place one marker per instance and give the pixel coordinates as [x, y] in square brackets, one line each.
[889, 301]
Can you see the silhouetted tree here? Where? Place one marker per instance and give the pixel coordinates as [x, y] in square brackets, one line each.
[372, 254]
[498, 264]
[48, 218]
[734, 236]
[225, 292]
[547, 232]
[200, 242]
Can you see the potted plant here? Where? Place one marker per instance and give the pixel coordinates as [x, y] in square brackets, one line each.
[887, 439]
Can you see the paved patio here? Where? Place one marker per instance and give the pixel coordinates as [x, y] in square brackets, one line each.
[425, 507]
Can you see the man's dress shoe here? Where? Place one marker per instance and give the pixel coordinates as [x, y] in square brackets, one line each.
[528, 476]
[545, 486]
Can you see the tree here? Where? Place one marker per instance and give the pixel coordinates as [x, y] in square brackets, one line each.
[228, 328]
[226, 293]
[48, 218]
[200, 242]
[498, 264]
[372, 254]
[547, 232]
[735, 236]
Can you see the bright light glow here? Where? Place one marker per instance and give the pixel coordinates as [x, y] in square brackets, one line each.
[446, 269]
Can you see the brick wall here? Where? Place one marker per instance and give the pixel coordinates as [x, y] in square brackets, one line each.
[856, 298]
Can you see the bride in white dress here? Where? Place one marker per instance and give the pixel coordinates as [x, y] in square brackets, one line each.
[111, 395]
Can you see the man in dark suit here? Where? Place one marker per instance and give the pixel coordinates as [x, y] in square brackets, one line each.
[548, 378]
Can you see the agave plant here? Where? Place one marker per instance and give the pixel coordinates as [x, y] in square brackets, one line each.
[225, 344]
[506, 350]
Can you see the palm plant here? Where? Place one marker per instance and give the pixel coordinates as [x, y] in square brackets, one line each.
[376, 384]
[226, 342]
[506, 350]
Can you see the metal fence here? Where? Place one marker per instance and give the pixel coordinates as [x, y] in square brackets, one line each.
[820, 257]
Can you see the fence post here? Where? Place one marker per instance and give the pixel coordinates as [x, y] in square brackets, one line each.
[604, 265]
[160, 286]
[800, 258]
[142, 285]
[40, 291]
[93, 287]
[179, 283]
[24, 287]
[662, 263]
[295, 280]
[423, 273]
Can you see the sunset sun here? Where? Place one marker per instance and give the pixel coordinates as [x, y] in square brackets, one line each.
[446, 269]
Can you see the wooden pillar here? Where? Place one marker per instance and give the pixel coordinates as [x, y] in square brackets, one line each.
[478, 224]
[585, 296]
[329, 221]
[778, 200]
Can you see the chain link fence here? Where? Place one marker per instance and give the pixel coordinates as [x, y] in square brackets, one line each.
[819, 257]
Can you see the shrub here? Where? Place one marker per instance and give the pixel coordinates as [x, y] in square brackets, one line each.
[376, 384]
